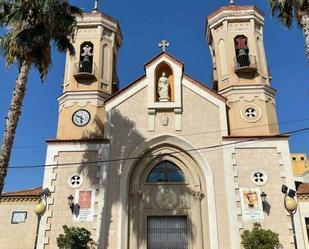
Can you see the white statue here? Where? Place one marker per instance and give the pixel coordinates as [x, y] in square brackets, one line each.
[163, 88]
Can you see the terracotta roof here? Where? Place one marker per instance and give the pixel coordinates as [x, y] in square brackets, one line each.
[24, 193]
[234, 8]
[303, 188]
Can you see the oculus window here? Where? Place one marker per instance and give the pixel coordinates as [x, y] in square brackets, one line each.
[165, 171]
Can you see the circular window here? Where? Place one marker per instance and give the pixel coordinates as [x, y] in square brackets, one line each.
[259, 177]
[75, 181]
[251, 113]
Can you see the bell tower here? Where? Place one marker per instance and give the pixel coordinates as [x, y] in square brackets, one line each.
[90, 77]
[240, 71]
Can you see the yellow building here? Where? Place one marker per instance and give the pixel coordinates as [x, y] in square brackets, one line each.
[18, 220]
[300, 166]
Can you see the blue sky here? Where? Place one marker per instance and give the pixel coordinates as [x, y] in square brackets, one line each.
[144, 23]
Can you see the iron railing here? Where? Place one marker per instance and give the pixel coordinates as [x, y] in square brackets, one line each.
[245, 61]
[85, 70]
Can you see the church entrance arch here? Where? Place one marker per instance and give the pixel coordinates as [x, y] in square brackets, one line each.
[167, 204]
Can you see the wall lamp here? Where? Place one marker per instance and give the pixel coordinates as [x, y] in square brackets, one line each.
[290, 205]
[73, 206]
[263, 197]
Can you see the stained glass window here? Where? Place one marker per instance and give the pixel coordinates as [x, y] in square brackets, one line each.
[166, 171]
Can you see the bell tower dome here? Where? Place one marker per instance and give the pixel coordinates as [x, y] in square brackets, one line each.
[90, 77]
[240, 71]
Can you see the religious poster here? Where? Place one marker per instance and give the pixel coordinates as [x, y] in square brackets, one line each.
[85, 200]
[251, 204]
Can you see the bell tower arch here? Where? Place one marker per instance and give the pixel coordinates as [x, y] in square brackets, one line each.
[240, 71]
[90, 77]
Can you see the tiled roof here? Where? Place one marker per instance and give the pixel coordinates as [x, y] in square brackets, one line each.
[24, 193]
[234, 8]
[303, 188]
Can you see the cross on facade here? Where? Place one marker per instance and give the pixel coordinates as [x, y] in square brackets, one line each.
[250, 113]
[231, 2]
[164, 44]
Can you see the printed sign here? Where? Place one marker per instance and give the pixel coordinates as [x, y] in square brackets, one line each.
[251, 204]
[85, 200]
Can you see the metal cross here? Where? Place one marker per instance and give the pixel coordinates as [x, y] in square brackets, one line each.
[164, 44]
[96, 6]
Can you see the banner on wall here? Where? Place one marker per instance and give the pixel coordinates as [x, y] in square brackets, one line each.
[85, 200]
[251, 204]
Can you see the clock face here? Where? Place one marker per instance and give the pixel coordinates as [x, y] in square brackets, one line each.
[81, 117]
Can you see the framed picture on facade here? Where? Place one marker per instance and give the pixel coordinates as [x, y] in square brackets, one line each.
[251, 204]
[85, 200]
[19, 217]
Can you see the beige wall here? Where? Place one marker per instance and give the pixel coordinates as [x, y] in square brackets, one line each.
[17, 236]
[249, 160]
[201, 126]
[58, 212]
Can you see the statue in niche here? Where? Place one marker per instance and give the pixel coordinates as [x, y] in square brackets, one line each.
[86, 63]
[163, 88]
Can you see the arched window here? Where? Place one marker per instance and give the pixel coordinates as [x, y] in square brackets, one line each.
[166, 171]
[242, 50]
[86, 57]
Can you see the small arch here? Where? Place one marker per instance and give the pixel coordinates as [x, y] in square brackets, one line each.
[86, 57]
[223, 58]
[242, 50]
[105, 62]
[165, 171]
[163, 67]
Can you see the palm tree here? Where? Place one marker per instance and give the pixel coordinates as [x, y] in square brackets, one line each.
[289, 10]
[32, 27]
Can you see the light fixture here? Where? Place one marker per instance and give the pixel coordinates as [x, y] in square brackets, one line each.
[291, 193]
[71, 203]
[284, 189]
[290, 205]
[263, 197]
[73, 206]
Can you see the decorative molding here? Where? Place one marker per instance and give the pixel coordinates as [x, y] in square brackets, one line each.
[178, 119]
[137, 195]
[198, 195]
[151, 119]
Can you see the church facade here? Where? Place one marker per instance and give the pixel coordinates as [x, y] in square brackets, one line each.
[167, 162]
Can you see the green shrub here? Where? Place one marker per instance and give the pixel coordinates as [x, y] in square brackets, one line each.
[74, 238]
[259, 238]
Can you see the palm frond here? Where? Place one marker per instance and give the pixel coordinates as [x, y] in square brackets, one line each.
[287, 10]
[34, 26]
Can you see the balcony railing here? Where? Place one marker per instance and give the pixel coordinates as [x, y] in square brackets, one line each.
[85, 71]
[245, 63]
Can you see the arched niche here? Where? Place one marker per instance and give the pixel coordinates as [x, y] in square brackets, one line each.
[86, 57]
[223, 58]
[105, 62]
[163, 67]
[242, 50]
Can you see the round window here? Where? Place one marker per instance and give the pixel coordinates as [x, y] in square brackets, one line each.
[75, 181]
[259, 177]
[251, 113]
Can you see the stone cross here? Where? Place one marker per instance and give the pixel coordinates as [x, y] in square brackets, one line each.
[164, 44]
